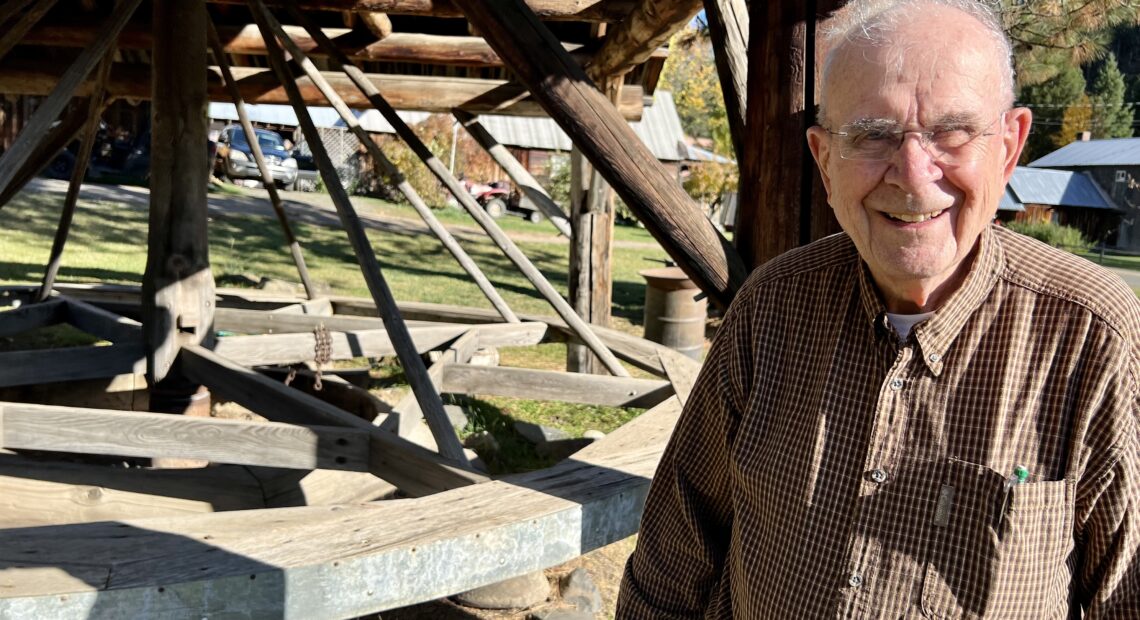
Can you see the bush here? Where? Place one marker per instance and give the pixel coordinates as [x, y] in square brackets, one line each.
[1064, 237]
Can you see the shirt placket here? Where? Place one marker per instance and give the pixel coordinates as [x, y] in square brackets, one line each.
[887, 435]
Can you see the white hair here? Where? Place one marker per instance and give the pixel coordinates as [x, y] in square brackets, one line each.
[874, 22]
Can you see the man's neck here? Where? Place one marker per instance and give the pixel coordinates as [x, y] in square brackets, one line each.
[923, 294]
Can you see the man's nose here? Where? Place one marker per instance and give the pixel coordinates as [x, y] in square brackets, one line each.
[913, 164]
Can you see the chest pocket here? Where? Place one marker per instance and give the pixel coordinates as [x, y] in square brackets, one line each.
[998, 550]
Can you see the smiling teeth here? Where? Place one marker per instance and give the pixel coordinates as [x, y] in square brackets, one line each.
[916, 218]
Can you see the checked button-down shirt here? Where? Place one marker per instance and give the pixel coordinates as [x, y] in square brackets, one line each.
[985, 467]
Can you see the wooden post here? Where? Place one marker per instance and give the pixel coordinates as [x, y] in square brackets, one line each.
[518, 173]
[538, 60]
[430, 402]
[591, 250]
[728, 24]
[394, 175]
[95, 112]
[259, 157]
[779, 194]
[178, 287]
[484, 220]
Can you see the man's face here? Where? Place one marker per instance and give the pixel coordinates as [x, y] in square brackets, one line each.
[914, 219]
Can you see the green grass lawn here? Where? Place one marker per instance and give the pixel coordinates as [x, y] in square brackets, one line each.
[1118, 261]
[108, 244]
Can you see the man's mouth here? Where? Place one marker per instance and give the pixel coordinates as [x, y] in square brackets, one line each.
[914, 218]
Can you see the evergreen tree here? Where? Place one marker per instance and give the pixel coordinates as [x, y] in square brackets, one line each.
[1048, 101]
[1111, 116]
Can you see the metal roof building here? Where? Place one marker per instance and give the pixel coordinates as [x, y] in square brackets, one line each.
[1115, 152]
[1058, 188]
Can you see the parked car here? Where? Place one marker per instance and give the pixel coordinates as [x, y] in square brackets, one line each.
[235, 157]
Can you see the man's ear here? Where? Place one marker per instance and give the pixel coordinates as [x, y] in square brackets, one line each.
[819, 142]
[1015, 133]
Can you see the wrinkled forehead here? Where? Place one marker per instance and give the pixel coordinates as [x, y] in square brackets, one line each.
[923, 70]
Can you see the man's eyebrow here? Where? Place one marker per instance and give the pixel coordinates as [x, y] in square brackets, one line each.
[874, 124]
[956, 119]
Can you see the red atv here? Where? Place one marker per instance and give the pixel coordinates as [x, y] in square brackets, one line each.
[493, 198]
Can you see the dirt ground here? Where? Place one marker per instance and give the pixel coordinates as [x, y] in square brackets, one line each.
[605, 566]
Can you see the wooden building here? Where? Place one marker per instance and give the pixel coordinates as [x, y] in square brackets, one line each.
[282, 522]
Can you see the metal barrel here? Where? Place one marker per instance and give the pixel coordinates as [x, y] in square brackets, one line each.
[673, 317]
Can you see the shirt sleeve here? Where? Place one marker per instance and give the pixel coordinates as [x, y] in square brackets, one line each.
[1108, 516]
[676, 570]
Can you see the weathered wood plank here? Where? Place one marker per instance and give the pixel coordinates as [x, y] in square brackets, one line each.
[408, 466]
[278, 322]
[293, 348]
[153, 435]
[32, 316]
[25, 144]
[551, 385]
[36, 492]
[321, 487]
[71, 363]
[681, 370]
[461, 350]
[407, 92]
[99, 322]
[461, 539]
[409, 411]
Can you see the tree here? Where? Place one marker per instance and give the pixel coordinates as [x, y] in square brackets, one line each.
[690, 74]
[1049, 100]
[1075, 119]
[1111, 116]
[1048, 35]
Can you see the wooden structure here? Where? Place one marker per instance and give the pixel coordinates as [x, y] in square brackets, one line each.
[282, 523]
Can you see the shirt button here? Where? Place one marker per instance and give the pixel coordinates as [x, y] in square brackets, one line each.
[896, 384]
[855, 580]
[934, 358]
[878, 476]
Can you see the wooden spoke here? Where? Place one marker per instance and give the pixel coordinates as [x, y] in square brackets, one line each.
[70, 364]
[550, 385]
[32, 316]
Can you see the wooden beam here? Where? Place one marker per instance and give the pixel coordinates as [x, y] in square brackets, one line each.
[728, 25]
[518, 173]
[633, 40]
[414, 369]
[485, 221]
[377, 23]
[409, 410]
[57, 138]
[396, 177]
[31, 316]
[39, 492]
[70, 364]
[591, 121]
[463, 539]
[64, 89]
[95, 106]
[122, 433]
[405, 92]
[571, 10]
[294, 348]
[408, 466]
[550, 385]
[16, 31]
[99, 322]
[405, 47]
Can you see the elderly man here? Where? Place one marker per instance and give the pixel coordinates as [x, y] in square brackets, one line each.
[925, 416]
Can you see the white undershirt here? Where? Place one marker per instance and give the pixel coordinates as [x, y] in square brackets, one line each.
[903, 323]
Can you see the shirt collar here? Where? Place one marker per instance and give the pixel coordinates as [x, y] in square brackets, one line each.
[936, 334]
